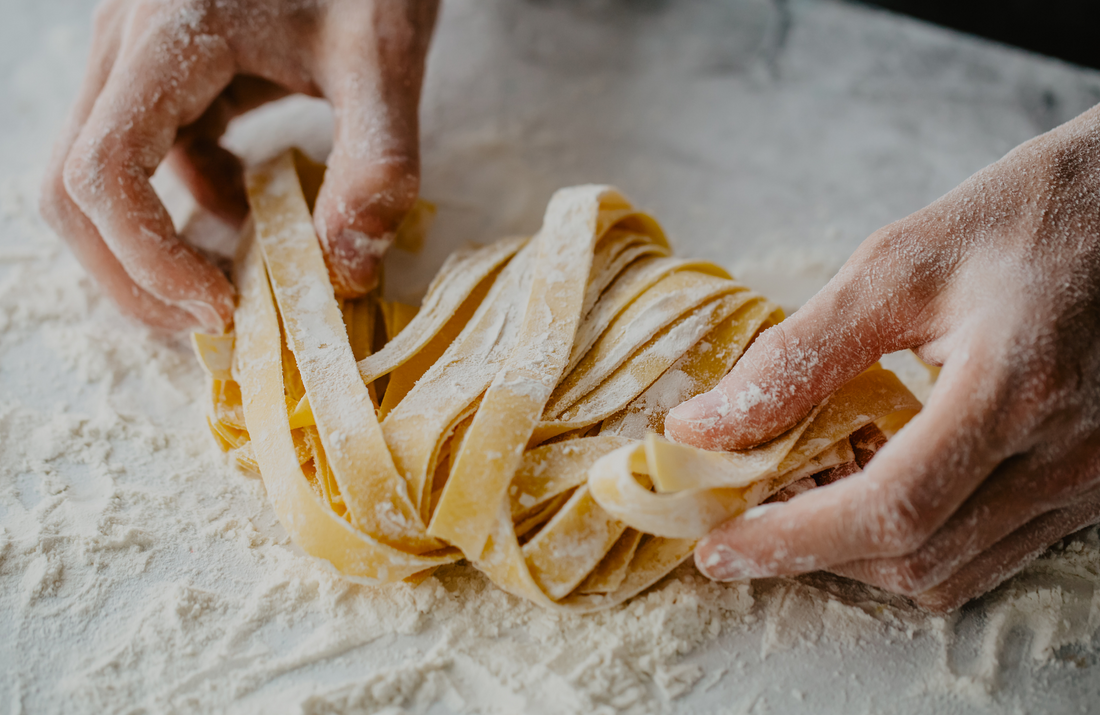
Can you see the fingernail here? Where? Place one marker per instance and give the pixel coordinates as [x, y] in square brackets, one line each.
[720, 562]
[209, 319]
[690, 411]
[357, 257]
[710, 406]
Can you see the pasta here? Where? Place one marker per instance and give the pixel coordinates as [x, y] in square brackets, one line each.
[514, 419]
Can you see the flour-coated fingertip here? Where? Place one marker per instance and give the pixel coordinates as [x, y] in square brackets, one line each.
[693, 419]
[719, 562]
[207, 317]
[693, 410]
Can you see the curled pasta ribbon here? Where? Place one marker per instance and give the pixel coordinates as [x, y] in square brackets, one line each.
[694, 490]
[514, 418]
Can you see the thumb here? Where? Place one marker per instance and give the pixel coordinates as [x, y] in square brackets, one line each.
[373, 172]
[795, 365]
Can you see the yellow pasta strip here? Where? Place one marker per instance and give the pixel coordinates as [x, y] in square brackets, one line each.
[655, 358]
[459, 277]
[246, 458]
[376, 496]
[302, 415]
[571, 545]
[552, 469]
[215, 354]
[311, 524]
[669, 299]
[226, 400]
[397, 316]
[610, 573]
[359, 315]
[414, 227]
[511, 407]
[695, 372]
[417, 427]
[614, 252]
[428, 352]
[633, 282]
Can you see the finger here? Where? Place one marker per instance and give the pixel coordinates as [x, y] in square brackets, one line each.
[905, 494]
[1010, 555]
[1019, 491]
[63, 215]
[373, 78]
[871, 307]
[213, 174]
[131, 127]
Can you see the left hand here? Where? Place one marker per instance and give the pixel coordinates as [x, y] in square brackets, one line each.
[165, 78]
[999, 282]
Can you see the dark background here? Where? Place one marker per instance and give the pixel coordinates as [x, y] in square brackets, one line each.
[1067, 29]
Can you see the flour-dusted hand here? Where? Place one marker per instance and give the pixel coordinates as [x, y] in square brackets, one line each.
[999, 282]
[164, 79]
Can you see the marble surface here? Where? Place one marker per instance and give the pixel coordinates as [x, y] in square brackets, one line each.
[770, 135]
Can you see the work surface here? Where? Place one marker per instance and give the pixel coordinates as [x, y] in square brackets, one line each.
[140, 572]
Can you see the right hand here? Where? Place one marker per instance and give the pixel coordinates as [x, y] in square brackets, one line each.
[999, 282]
[163, 81]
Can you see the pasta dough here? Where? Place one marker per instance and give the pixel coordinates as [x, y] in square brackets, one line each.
[514, 419]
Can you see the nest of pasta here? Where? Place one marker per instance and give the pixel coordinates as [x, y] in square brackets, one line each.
[514, 419]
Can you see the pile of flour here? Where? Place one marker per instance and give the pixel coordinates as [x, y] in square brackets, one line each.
[140, 571]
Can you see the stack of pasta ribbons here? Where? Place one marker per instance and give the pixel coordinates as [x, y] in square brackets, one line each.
[515, 418]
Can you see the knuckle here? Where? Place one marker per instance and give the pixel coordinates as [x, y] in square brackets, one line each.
[920, 266]
[165, 15]
[885, 241]
[893, 277]
[1033, 407]
[1057, 164]
[82, 171]
[883, 246]
[895, 527]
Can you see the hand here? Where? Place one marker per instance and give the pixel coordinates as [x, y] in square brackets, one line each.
[999, 282]
[164, 79]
